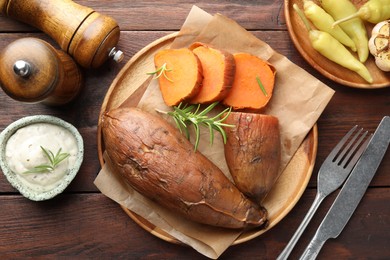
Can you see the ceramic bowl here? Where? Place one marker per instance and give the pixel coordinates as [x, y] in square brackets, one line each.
[12, 176]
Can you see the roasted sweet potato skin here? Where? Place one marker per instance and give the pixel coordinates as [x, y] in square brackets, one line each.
[160, 163]
[252, 152]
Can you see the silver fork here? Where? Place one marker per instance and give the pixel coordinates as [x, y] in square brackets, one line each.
[333, 172]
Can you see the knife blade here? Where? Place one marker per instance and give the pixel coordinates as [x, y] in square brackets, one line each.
[352, 191]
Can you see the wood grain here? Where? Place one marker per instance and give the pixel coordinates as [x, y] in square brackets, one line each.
[67, 227]
[82, 224]
[83, 33]
[130, 15]
[53, 76]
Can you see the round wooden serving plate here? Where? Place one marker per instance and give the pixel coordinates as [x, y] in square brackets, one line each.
[326, 67]
[127, 89]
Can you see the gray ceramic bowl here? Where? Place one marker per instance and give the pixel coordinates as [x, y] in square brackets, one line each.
[11, 176]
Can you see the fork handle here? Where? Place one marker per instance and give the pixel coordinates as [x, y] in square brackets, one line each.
[309, 215]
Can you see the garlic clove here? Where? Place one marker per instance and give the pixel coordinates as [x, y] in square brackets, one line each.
[379, 45]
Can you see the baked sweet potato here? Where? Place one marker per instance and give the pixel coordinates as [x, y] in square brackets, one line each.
[253, 83]
[160, 163]
[183, 75]
[253, 152]
[218, 69]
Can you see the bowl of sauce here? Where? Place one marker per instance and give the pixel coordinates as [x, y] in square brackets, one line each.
[40, 155]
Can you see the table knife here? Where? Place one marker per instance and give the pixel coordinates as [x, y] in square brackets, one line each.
[352, 191]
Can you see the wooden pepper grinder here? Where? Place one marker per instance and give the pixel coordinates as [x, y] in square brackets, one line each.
[31, 70]
[89, 37]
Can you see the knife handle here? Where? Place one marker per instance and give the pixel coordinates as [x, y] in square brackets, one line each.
[313, 248]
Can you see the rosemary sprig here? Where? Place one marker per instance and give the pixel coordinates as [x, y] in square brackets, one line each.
[261, 86]
[185, 116]
[161, 71]
[54, 161]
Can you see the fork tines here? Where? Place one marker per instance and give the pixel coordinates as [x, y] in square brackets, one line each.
[340, 155]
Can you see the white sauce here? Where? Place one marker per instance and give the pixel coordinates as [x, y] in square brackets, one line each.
[23, 152]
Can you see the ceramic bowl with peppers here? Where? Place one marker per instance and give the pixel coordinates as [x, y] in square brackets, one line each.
[40, 155]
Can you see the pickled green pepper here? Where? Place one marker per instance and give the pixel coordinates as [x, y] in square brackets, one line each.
[355, 28]
[324, 22]
[374, 11]
[332, 49]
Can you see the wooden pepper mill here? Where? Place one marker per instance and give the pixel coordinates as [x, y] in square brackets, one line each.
[89, 37]
[31, 70]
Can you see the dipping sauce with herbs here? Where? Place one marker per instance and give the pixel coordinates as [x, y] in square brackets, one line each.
[41, 155]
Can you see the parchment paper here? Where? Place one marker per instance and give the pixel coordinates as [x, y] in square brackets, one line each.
[298, 101]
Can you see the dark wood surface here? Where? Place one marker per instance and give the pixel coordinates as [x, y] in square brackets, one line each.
[83, 223]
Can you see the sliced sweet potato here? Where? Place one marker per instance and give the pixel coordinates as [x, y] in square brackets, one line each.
[253, 83]
[183, 74]
[159, 162]
[218, 72]
[253, 152]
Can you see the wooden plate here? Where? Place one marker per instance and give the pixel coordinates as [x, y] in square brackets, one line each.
[127, 89]
[329, 69]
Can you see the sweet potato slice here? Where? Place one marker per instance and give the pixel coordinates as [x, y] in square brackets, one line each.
[218, 68]
[252, 152]
[159, 162]
[183, 76]
[253, 83]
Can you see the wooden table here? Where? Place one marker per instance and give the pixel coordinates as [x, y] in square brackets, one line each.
[83, 223]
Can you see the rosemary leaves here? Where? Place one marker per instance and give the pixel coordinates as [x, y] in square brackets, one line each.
[261, 86]
[54, 161]
[161, 71]
[186, 115]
